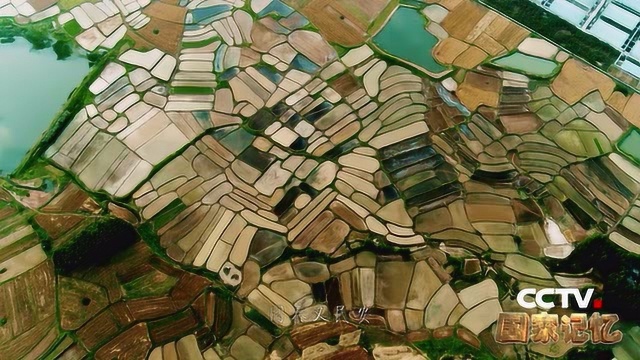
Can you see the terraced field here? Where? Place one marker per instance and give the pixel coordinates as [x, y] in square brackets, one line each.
[243, 178]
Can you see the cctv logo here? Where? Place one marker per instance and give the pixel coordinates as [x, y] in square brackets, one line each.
[565, 293]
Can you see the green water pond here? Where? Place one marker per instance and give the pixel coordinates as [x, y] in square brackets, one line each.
[530, 65]
[404, 37]
[630, 145]
[33, 87]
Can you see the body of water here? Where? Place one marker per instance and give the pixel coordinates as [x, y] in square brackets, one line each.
[530, 65]
[33, 87]
[630, 145]
[404, 36]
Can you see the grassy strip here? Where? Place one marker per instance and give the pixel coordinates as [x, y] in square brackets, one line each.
[559, 31]
[168, 213]
[199, 44]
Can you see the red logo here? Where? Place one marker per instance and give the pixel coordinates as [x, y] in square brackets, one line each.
[597, 304]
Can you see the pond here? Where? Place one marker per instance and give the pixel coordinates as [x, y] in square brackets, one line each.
[527, 64]
[630, 145]
[33, 87]
[404, 36]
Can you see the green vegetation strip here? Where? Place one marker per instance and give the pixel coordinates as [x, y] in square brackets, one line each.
[561, 32]
[168, 213]
[199, 44]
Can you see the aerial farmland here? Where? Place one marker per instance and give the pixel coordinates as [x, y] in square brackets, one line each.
[311, 179]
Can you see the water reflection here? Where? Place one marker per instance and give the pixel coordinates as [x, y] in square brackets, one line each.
[33, 87]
